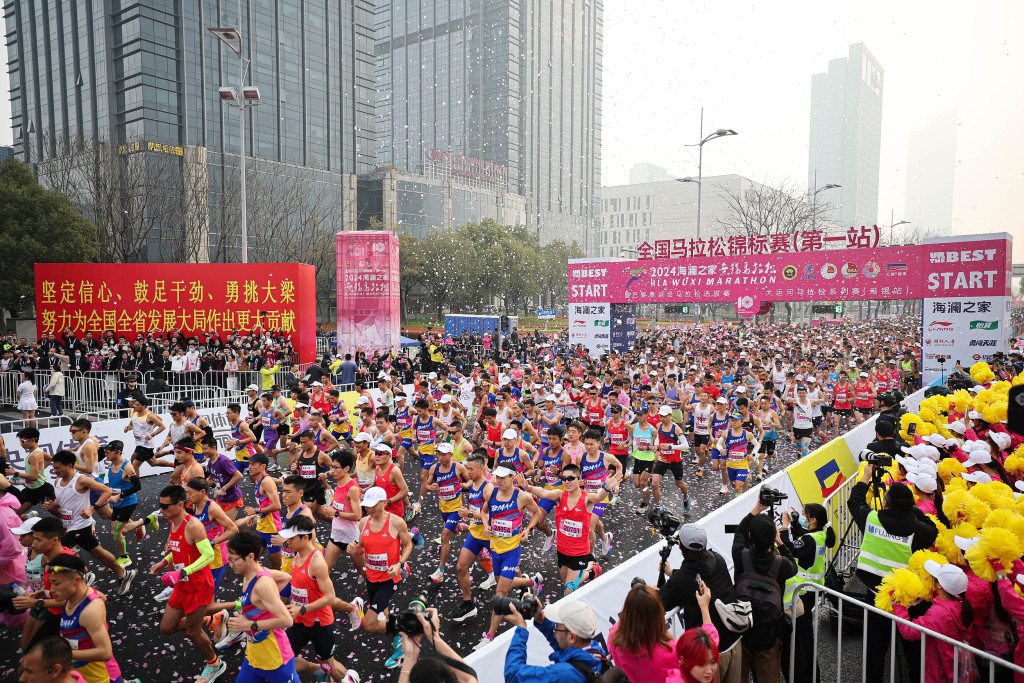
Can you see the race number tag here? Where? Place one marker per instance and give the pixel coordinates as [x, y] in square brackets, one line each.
[571, 528]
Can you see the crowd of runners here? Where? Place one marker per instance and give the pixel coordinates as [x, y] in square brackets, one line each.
[507, 446]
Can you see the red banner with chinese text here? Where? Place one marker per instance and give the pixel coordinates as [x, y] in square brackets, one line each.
[192, 298]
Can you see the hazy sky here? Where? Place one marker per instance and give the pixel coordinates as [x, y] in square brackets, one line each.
[749, 64]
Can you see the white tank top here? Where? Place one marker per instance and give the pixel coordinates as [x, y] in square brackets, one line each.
[802, 414]
[142, 430]
[72, 503]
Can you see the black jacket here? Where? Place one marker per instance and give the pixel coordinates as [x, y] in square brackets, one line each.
[762, 562]
[899, 523]
[680, 591]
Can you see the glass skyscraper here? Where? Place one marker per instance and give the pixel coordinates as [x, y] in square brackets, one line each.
[142, 77]
[513, 87]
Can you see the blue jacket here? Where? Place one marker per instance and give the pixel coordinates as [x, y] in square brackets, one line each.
[517, 671]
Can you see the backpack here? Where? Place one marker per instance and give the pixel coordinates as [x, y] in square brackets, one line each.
[589, 675]
[764, 593]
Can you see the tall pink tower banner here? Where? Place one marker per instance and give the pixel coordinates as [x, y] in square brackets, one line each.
[369, 295]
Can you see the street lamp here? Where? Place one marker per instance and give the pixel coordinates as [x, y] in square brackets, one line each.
[250, 98]
[892, 224]
[814, 201]
[720, 133]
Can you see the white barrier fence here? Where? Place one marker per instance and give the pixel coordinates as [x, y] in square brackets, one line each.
[605, 595]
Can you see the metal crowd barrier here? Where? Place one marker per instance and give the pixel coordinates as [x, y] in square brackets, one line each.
[960, 650]
[849, 534]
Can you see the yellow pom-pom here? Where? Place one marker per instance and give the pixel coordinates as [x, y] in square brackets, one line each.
[949, 468]
[1014, 464]
[961, 399]
[927, 413]
[994, 413]
[916, 565]
[963, 506]
[1002, 388]
[995, 494]
[935, 520]
[905, 421]
[994, 543]
[905, 587]
[1018, 380]
[956, 484]
[1006, 519]
[982, 373]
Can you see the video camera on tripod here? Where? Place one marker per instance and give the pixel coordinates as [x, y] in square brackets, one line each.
[880, 461]
[666, 524]
[770, 497]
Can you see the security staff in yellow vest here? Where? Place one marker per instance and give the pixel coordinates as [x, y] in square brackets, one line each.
[808, 536]
[891, 535]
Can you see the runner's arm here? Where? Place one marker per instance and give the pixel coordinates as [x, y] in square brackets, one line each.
[266, 596]
[218, 515]
[154, 419]
[93, 619]
[403, 487]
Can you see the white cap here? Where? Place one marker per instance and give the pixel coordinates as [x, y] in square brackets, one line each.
[958, 427]
[741, 389]
[852, 363]
[26, 526]
[932, 452]
[976, 477]
[892, 361]
[976, 388]
[950, 442]
[550, 397]
[509, 434]
[664, 410]
[373, 495]
[577, 617]
[502, 471]
[382, 448]
[317, 384]
[743, 354]
[558, 388]
[671, 359]
[382, 375]
[252, 387]
[935, 439]
[1001, 439]
[363, 436]
[979, 456]
[915, 451]
[432, 375]
[292, 532]
[362, 400]
[300, 404]
[950, 577]
[965, 544]
[974, 414]
[863, 374]
[722, 400]
[922, 480]
[445, 447]
[812, 378]
[445, 399]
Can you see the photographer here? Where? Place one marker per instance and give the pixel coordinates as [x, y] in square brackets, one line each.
[428, 659]
[758, 566]
[569, 627]
[890, 408]
[885, 441]
[679, 591]
[891, 535]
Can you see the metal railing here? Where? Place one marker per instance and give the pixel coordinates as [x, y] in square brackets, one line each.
[201, 396]
[995, 663]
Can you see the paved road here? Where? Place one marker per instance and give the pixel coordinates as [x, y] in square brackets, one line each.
[143, 653]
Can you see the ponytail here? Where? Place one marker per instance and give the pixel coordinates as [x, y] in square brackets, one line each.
[966, 613]
[820, 515]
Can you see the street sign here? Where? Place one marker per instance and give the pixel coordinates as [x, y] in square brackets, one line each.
[546, 313]
[681, 309]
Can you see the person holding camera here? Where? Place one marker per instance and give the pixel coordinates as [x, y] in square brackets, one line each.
[807, 535]
[703, 565]
[885, 439]
[761, 573]
[428, 659]
[891, 535]
[570, 628]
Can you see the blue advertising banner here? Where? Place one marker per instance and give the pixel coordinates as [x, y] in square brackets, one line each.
[623, 327]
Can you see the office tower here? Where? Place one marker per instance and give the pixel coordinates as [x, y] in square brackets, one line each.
[846, 135]
[511, 90]
[931, 163]
[130, 88]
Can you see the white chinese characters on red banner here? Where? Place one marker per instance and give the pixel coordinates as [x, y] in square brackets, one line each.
[863, 237]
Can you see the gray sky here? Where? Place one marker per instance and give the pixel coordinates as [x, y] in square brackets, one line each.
[749, 64]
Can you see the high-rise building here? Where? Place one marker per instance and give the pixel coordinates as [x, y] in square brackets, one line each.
[139, 80]
[846, 135]
[514, 87]
[931, 164]
[647, 173]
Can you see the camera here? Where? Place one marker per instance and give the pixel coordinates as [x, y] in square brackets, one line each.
[406, 621]
[664, 522]
[769, 497]
[527, 606]
[876, 459]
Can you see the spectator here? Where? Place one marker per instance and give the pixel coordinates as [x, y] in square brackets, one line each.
[884, 439]
[49, 661]
[55, 391]
[753, 554]
[429, 659]
[569, 628]
[698, 657]
[267, 376]
[714, 572]
[27, 398]
[348, 372]
[157, 384]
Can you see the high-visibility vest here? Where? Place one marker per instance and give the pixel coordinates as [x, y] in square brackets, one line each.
[880, 551]
[816, 574]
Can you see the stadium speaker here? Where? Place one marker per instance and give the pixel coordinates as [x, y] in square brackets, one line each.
[1015, 410]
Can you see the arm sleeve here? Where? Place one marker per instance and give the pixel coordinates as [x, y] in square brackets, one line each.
[547, 627]
[136, 486]
[858, 504]
[205, 558]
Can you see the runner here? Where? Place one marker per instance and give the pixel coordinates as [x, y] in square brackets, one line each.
[643, 459]
[176, 431]
[125, 484]
[45, 610]
[512, 456]
[719, 422]
[366, 462]
[224, 477]
[72, 506]
[37, 490]
[242, 439]
[338, 419]
[770, 423]
[311, 465]
[620, 436]
[447, 478]
[548, 471]
[292, 492]
[865, 394]
[477, 543]
[186, 570]
[425, 436]
[389, 478]
[271, 418]
[803, 420]
[734, 443]
[842, 404]
[218, 525]
[344, 511]
[269, 513]
[385, 542]
[701, 412]
[90, 460]
[671, 444]
[145, 426]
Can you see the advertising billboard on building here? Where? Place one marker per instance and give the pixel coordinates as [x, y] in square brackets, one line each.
[132, 299]
[369, 292]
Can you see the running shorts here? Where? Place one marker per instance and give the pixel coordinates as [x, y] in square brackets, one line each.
[575, 562]
[676, 468]
[506, 564]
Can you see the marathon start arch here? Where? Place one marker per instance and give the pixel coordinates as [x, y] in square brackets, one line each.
[963, 281]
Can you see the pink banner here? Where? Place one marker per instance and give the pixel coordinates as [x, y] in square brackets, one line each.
[369, 295]
[914, 272]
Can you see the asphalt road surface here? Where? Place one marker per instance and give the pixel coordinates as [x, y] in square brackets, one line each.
[144, 653]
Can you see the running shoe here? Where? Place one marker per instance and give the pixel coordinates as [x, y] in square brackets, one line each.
[724, 490]
[549, 543]
[641, 508]
[598, 546]
[416, 508]
[230, 639]
[595, 571]
[538, 583]
[273, 467]
[322, 676]
[437, 575]
[211, 672]
[659, 507]
[695, 461]
[215, 623]
[164, 595]
[614, 500]
[490, 583]
[700, 472]
[437, 541]
[351, 677]
[485, 640]
[124, 561]
[124, 585]
[355, 617]
[152, 521]
[607, 545]
[417, 537]
[466, 611]
[686, 506]
[140, 532]
[395, 660]
[89, 578]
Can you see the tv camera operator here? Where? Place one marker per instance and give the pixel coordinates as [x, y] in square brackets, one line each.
[885, 439]
[679, 590]
[427, 658]
[892, 532]
[890, 407]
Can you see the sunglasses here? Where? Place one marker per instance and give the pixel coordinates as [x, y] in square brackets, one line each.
[569, 478]
[164, 506]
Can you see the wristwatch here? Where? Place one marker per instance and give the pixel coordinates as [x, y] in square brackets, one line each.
[39, 603]
[302, 610]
